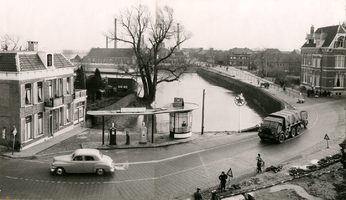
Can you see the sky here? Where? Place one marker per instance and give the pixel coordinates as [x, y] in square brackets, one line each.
[220, 24]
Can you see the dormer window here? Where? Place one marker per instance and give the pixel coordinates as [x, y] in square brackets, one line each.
[49, 60]
[340, 43]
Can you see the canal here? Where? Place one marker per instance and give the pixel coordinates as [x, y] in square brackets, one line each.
[220, 111]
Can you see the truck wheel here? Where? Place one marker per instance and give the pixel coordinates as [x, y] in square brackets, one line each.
[298, 129]
[293, 132]
[287, 134]
[281, 138]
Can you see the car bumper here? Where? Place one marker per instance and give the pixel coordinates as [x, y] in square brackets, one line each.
[52, 168]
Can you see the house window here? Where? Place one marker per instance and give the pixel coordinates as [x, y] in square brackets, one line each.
[49, 60]
[61, 116]
[339, 80]
[28, 125]
[40, 123]
[340, 43]
[39, 91]
[68, 86]
[68, 113]
[28, 93]
[340, 61]
[316, 62]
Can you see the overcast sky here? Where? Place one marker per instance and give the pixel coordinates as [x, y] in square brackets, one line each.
[218, 24]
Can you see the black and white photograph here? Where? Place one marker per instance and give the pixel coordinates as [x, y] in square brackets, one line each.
[172, 100]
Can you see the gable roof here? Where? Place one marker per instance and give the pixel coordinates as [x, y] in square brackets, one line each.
[237, 50]
[110, 53]
[29, 61]
[329, 32]
[8, 62]
[60, 61]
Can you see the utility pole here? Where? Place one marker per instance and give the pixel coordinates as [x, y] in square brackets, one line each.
[203, 112]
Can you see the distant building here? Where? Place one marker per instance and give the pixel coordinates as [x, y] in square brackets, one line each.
[37, 95]
[240, 56]
[323, 60]
[117, 66]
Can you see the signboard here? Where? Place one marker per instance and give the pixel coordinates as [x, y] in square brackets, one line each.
[133, 110]
[229, 173]
[239, 100]
[178, 102]
[326, 137]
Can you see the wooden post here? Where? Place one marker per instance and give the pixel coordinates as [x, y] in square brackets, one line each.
[103, 130]
[152, 128]
[203, 112]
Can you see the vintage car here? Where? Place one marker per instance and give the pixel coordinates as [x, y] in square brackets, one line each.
[82, 161]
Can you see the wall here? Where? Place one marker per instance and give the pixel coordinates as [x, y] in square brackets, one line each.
[264, 100]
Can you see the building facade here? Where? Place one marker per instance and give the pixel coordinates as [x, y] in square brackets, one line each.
[323, 60]
[38, 98]
[240, 56]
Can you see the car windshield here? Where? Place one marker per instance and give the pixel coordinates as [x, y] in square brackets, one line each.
[72, 155]
[100, 154]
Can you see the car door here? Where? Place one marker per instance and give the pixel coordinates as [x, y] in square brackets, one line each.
[89, 163]
[77, 165]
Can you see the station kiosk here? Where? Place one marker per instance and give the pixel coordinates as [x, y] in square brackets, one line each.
[180, 122]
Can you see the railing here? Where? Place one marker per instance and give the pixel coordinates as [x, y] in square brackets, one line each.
[80, 93]
[54, 102]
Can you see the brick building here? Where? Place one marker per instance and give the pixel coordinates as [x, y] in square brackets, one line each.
[240, 56]
[323, 60]
[38, 97]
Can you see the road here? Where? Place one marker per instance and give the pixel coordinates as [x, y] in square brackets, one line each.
[174, 171]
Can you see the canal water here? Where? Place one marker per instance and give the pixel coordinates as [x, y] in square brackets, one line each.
[220, 111]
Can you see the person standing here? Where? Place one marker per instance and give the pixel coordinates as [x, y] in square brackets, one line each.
[222, 179]
[260, 163]
[197, 195]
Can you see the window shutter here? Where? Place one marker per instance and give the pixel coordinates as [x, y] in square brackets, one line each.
[35, 125]
[71, 85]
[34, 92]
[22, 95]
[64, 86]
[45, 90]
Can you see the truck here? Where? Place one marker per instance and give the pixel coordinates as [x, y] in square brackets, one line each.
[282, 125]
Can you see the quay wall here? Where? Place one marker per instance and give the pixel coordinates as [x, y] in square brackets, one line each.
[267, 102]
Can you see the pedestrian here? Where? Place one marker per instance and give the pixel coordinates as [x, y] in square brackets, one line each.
[260, 163]
[197, 195]
[223, 178]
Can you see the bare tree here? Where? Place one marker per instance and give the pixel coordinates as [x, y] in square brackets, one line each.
[11, 43]
[151, 55]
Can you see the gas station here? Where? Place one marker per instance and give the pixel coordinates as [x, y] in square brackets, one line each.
[180, 119]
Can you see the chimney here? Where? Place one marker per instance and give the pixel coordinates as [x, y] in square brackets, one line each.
[312, 29]
[32, 46]
[115, 33]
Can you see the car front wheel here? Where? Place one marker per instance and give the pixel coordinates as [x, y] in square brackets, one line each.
[100, 172]
[59, 171]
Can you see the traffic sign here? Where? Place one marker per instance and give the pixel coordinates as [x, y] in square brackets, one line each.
[239, 100]
[326, 137]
